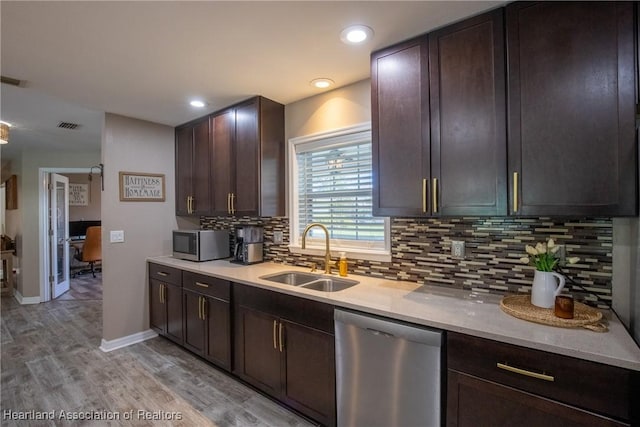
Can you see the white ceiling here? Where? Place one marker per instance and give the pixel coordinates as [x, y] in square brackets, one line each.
[146, 59]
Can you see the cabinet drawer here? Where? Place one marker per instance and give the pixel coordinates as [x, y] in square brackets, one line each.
[317, 315]
[207, 285]
[165, 274]
[589, 385]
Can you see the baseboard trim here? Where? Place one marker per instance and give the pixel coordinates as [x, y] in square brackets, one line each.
[25, 300]
[110, 345]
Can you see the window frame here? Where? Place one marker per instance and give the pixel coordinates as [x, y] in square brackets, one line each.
[326, 140]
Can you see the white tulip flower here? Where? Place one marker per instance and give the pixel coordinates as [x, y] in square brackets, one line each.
[541, 248]
[531, 250]
[573, 260]
[551, 243]
[524, 260]
[554, 249]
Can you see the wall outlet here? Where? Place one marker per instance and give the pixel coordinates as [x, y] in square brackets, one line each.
[116, 236]
[278, 238]
[457, 248]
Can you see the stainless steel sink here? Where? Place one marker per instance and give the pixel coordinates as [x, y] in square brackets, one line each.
[316, 282]
[294, 278]
[329, 284]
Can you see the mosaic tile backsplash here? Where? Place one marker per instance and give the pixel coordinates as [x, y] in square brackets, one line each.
[420, 250]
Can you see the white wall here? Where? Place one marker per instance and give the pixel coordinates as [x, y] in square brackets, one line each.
[133, 146]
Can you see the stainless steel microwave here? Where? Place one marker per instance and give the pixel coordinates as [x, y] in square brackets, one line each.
[200, 245]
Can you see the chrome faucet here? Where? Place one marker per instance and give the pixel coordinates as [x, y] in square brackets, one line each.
[327, 254]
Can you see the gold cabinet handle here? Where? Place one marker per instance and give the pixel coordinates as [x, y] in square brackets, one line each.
[233, 204]
[199, 307]
[424, 195]
[162, 273]
[434, 192]
[204, 308]
[275, 337]
[163, 296]
[203, 285]
[280, 337]
[531, 374]
[515, 192]
[160, 293]
[229, 203]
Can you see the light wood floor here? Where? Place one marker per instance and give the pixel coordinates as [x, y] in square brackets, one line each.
[50, 360]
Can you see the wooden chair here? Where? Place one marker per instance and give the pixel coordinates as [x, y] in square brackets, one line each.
[91, 250]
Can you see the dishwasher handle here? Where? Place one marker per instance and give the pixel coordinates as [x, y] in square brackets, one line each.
[389, 327]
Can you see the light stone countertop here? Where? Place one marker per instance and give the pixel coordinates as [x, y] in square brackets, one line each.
[438, 307]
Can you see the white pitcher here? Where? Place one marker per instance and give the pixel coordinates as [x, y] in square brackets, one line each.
[547, 285]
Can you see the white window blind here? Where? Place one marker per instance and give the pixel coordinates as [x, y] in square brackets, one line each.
[334, 188]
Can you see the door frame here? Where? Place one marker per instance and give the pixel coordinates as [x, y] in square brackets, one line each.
[43, 216]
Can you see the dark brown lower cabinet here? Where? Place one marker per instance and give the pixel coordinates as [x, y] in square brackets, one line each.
[474, 402]
[285, 347]
[207, 329]
[496, 384]
[165, 314]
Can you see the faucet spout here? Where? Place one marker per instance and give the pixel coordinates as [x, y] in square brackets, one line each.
[327, 254]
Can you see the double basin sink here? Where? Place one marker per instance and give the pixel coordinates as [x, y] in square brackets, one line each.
[316, 282]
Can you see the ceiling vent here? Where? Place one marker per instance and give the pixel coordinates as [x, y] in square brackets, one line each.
[10, 81]
[68, 125]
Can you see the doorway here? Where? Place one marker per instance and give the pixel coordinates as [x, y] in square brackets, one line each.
[62, 205]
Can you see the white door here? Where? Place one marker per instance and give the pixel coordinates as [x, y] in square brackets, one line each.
[58, 234]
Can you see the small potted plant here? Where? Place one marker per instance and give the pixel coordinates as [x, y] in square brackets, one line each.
[547, 284]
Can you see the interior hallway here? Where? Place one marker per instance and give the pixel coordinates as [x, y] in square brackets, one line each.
[50, 360]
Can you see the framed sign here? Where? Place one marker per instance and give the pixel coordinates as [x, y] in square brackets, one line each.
[141, 187]
[78, 194]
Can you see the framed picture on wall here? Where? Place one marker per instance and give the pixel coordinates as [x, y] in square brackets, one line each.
[11, 193]
[78, 194]
[141, 187]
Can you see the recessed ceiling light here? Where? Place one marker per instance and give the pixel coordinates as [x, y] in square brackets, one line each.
[356, 34]
[197, 103]
[322, 83]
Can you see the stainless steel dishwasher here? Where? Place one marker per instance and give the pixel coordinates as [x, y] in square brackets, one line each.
[387, 372]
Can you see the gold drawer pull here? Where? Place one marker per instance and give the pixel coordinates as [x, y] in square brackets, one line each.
[424, 196]
[515, 192]
[204, 285]
[280, 335]
[162, 273]
[525, 372]
[199, 307]
[275, 337]
[434, 193]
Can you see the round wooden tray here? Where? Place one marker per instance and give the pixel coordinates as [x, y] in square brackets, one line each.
[583, 317]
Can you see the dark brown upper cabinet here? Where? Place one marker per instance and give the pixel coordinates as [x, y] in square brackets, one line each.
[245, 162]
[468, 117]
[400, 129]
[571, 85]
[439, 122]
[193, 166]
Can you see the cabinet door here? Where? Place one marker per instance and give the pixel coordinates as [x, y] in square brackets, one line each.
[247, 159]
[184, 165]
[309, 372]
[474, 402]
[468, 118]
[257, 356]
[400, 130]
[218, 345]
[571, 108]
[157, 309]
[173, 301]
[201, 169]
[194, 324]
[223, 130]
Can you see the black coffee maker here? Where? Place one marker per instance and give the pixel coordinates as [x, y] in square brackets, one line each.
[249, 245]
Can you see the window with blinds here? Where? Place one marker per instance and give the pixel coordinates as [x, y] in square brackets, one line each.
[334, 187]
